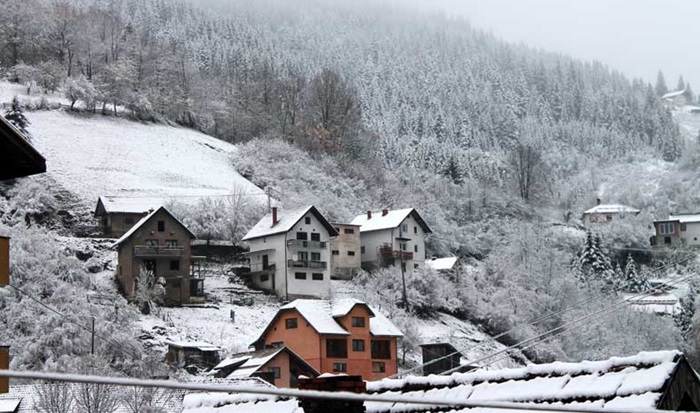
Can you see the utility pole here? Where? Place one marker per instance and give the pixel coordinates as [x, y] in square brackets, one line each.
[92, 341]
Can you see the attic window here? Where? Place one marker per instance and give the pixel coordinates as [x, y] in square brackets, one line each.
[307, 220]
[358, 321]
[349, 230]
[161, 226]
[290, 323]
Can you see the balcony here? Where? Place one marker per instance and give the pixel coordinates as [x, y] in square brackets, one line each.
[388, 252]
[259, 269]
[148, 251]
[306, 264]
[298, 243]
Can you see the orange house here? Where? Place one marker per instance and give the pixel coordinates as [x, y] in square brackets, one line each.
[343, 336]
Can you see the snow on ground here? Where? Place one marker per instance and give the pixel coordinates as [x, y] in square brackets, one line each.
[211, 322]
[688, 122]
[96, 155]
[33, 99]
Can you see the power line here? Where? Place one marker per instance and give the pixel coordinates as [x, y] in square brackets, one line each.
[532, 323]
[311, 394]
[559, 330]
[115, 346]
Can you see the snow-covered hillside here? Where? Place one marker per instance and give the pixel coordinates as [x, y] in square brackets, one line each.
[94, 155]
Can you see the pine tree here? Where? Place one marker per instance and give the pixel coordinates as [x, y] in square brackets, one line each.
[15, 114]
[681, 84]
[453, 171]
[661, 88]
[634, 281]
[689, 94]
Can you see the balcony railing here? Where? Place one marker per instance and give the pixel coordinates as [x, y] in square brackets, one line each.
[257, 269]
[306, 264]
[157, 251]
[388, 252]
[298, 243]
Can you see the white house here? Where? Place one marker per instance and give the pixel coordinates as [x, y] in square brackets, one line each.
[290, 253]
[679, 229]
[392, 238]
[603, 213]
[675, 99]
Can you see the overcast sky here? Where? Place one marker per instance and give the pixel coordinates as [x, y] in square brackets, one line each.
[638, 37]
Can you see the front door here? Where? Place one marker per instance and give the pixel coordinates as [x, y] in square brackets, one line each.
[266, 262]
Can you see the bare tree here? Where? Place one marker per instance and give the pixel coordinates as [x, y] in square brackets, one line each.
[526, 161]
[54, 398]
[96, 398]
[146, 400]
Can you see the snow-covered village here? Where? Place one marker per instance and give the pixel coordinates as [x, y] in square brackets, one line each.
[380, 206]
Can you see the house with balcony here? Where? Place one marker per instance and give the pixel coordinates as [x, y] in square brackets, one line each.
[605, 213]
[340, 336]
[290, 253]
[118, 214]
[392, 238]
[345, 251]
[678, 229]
[159, 244]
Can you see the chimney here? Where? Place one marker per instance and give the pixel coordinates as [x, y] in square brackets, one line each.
[352, 384]
[274, 216]
[597, 201]
[4, 365]
[384, 212]
[4, 261]
[369, 214]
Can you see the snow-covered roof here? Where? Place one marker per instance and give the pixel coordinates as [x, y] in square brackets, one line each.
[634, 382]
[671, 95]
[446, 263]
[244, 365]
[115, 205]
[662, 303]
[611, 209]
[640, 382]
[321, 315]
[392, 219]
[684, 218]
[286, 219]
[199, 345]
[145, 219]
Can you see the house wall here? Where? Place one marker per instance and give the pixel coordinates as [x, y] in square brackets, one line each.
[129, 266]
[281, 360]
[691, 235]
[675, 237]
[373, 240]
[117, 224]
[303, 340]
[343, 265]
[309, 287]
[274, 247]
[4, 260]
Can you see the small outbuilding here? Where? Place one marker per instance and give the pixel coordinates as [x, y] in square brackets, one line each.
[192, 353]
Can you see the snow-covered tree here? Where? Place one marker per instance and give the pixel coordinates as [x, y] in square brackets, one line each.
[661, 88]
[15, 114]
[635, 281]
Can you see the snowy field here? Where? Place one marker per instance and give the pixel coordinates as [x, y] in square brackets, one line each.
[94, 155]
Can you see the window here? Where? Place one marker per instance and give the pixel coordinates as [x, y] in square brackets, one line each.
[403, 246]
[264, 277]
[381, 349]
[667, 240]
[152, 243]
[174, 265]
[362, 250]
[275, 371]
[317, 276]
[277, 344]
[307, 220]
[667, 228]
[315, 236]
[683, 226]
[404, 228]
[415, 266]
[337, 347]
[415, 230]
[349, 230]
[161, 226]
[339, 367]
[358, 345]
[315, 256]
[129, 221]
[170, 243]
[290, 323]
[335, 252]
[302, 236]
[351, 253]
[300, 275]
[378, 367]
[358, 321]
[415, 248]
[608, 218]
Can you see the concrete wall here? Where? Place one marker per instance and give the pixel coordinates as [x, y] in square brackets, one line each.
[409, 228]
[344, 264]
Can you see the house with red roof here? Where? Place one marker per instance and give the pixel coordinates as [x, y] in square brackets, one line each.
[340, 336]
